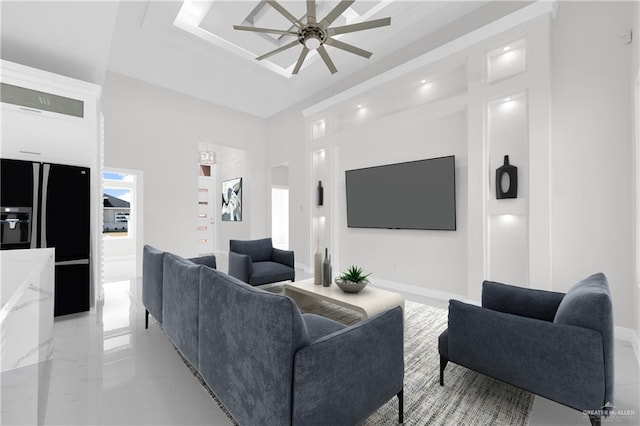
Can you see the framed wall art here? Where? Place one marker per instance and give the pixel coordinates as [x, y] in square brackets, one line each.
[232, 200]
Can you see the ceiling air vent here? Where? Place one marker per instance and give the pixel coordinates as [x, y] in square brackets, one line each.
[41, 101]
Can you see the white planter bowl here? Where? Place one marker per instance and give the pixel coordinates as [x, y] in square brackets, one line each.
[350, 286]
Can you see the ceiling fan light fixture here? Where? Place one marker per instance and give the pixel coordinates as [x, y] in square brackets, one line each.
[315, 34]
[312, 43]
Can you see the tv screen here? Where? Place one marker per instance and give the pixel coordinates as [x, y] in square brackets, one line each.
[415, 195]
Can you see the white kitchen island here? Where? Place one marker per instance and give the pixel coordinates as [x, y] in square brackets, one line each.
[26, 312]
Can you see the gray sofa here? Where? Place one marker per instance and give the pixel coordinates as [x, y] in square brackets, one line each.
[257, 262]
[556, 345]
[265, 361]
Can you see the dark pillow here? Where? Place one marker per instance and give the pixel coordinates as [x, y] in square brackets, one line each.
[587, 304]
[209, 261]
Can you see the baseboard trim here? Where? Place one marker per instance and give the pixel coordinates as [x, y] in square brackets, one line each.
[419, 291]
[120, 258]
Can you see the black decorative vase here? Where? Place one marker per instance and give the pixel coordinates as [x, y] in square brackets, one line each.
[320, 193]
[326, 269]
[506, 180]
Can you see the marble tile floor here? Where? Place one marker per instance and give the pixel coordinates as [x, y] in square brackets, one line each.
[108, 370]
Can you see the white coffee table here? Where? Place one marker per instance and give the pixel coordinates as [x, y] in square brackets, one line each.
[369, 301]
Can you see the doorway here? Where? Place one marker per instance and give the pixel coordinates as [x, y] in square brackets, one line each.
[280, 207]
[121, 231]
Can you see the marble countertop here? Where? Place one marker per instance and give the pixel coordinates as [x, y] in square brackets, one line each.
[16, 270]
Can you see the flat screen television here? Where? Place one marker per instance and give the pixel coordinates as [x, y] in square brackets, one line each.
[414, 195]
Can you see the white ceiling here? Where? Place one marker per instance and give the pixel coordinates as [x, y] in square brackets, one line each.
[208, 59]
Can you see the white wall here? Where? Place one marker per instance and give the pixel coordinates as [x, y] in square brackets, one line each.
[158, 131]
[286, 141]
[591, 149]
[587, 174]
[420, 258]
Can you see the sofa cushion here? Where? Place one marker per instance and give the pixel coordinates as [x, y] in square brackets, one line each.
[318, 326]
[209, 261]
[270, 272]
[152, 265]
[258, 250]
[180, 304]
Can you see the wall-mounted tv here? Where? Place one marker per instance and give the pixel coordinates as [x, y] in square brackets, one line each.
[414, 195]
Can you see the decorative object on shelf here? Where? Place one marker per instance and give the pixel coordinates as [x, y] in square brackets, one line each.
[320, 193]
[353, 280]
[317, 265]
[326, 269]
[506, 180]
[232, 200]
[314, 33]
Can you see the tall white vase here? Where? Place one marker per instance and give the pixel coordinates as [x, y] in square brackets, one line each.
[317, 265]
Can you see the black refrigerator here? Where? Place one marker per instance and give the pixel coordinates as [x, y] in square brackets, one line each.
[48, 205]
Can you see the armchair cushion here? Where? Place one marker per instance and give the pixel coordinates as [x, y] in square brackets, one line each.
[526, 302]
[258, 250]
[269, 272]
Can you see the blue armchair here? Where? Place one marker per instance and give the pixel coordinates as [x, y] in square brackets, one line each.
[257, 262]
[558, 346]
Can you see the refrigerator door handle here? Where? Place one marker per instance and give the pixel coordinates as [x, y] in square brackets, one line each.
[43, 209]
[35, 207]
[73, 262]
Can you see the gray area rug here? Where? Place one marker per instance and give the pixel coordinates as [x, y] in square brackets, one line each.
[467, 398]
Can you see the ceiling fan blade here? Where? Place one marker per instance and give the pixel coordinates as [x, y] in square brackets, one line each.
[348, 47]
[301, 59]
[327, 60]
[367, 25]
[336, 12]
[278, 50]
[264, 30]
[284, 12]
[311, 12]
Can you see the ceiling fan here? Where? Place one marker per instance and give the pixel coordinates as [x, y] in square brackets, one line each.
[314, 35]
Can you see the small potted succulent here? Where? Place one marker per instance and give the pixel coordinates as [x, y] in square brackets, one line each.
[353, 280]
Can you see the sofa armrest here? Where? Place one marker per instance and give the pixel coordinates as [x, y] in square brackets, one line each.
[521, 301]
[342, 378]
[240, 266]
[561, 362]
[283, 256]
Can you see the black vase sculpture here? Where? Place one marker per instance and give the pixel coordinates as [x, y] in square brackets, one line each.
[320, 193]
[509, 174]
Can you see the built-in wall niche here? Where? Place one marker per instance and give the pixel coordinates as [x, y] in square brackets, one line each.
[318, 129]
[506, 60]
[508, 248]
[508, 134]
[418, 88]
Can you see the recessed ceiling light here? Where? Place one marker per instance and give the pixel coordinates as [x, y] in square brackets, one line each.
[506, 48]
[359, 105]
[423, 81]
[507, 99]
